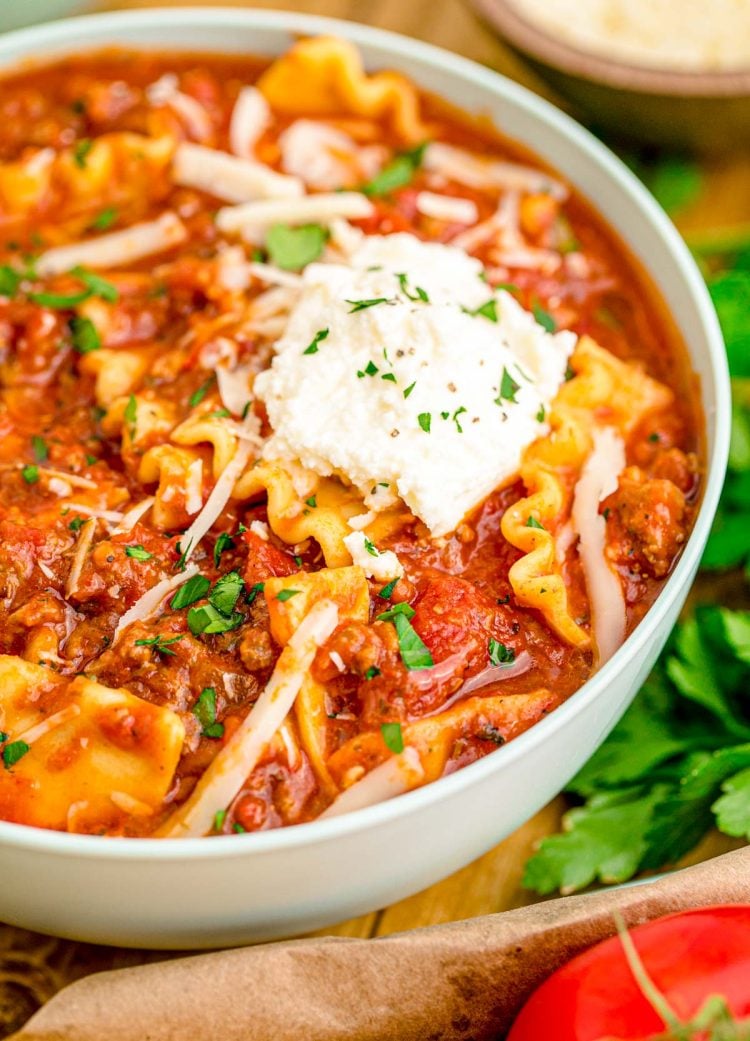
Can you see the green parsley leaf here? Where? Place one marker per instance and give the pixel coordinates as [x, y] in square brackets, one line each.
[362, 305]
[532, 522]
[96, 285]
[320, 335]
[371, 549]
[459, 412]
[732, 809]
[30, 473]
[393, 737]
[198, 395]
[138, 553]
[388, 376]
[131, 413]
[486, 310]
[312, 502]
[222, 544]
[13, 752]
[418, 294]
[499, 653]
[9, 280]
[409, 389]
[104, 220]
[77, 523]
[675, 181]
[207, 619]
[397, 174]
[387, 591]
[204, 711]
[60, 301]
[39, 448]
[286, 594]
[544, 318]
[226, 592]
[541, 414]
[84, 335]
[219, 817]
[414, 654]
[253, 592]
[294, 248]
[424, 419]
[194, 589]
[372, 672]
[238, 829]
[508, 388]
[159, 643]
[81, 150]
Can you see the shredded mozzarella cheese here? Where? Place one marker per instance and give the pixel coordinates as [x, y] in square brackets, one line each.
[250, 117]
[254, 216]
[229, 178]
[598, 480]
[380, 565]
[118, 247]
[447, 208]
[395, 776]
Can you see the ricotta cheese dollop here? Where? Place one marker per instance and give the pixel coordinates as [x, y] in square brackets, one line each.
[406, 375]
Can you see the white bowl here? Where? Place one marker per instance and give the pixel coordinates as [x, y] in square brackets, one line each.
[206, 892]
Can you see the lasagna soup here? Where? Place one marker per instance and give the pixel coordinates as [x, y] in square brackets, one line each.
[341, 442]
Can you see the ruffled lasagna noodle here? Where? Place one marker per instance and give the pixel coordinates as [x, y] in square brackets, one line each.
[341, 442]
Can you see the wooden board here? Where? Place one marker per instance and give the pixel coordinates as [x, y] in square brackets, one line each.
[41, 965]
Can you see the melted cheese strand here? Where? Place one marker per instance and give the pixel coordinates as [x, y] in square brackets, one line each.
[238, 758]
[598, 480]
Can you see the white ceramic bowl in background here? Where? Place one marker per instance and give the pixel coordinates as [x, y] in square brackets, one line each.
[206, 892]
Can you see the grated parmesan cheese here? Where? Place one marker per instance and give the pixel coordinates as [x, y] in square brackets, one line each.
[116, 248]
[382, 565]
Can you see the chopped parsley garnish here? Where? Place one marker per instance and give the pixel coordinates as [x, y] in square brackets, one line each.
[226, 592]
[499, 653]
[238, 829]
[397, 174]
[30, 473]
[131, 414]
[508, 388]
[219, 817]
[459, 412]
[424, 419]
[287, 594]
[312, 502]
[13, 752]
[9, 280]
[418, 294]
[372, 672]
[96, 285]
[544, 318]
[222, 544]
[532, 522]
[387, 591]
[77, 523]
[362, 305]
[207, 619]
[414, 654]
[204, 711]
[184, 553]
[198, 395]
[253, 592]
[541, 414]
[159, 644]
[370, 369]
[104, 220]
[219, 413]
[320, 335]
[84, 335]
[60, 301]
[409, 389]
[194, 589]
[486, 310]
[138, 553]
[39, 448]
[294, 248]
[81, 150]
[393, 737]
[371, 549]
[388, 376]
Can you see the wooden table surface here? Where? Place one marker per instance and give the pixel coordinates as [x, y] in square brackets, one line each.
[492, 883]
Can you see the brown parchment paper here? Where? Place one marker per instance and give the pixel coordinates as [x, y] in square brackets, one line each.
[459, 982]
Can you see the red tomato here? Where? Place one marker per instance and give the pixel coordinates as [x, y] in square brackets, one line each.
[690, 956]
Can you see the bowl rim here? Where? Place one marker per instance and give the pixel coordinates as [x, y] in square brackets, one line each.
[54, 37]
[539, 44]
